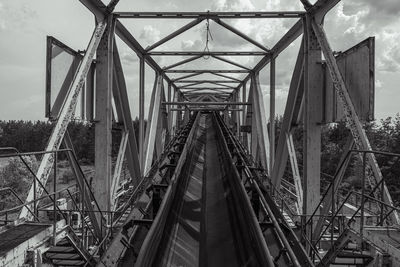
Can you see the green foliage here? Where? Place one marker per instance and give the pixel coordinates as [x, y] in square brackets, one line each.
[17, 176]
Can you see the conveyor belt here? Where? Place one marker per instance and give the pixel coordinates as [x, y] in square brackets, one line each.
[206, 218]
[202, 225]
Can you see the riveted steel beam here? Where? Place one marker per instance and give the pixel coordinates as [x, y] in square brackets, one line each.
[210, 15]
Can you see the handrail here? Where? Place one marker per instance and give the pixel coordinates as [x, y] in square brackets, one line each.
[32, 201]
[349, 152]
[70, 152]
[16, 195]
[355, 213]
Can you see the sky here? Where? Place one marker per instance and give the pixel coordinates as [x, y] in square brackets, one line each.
[24, 25]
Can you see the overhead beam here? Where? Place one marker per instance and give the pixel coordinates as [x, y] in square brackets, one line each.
[230, 62]
[185, 77]
[204, 53]
[240, 34]
[100, 10]
[227, 77]
[210, 15]
[175, 33]
[205, 88]
[319, 9]
[205, 103]
[217, 81]
[206, 71]
[182, 62]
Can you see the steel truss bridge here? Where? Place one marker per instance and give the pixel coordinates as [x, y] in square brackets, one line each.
[206, 182]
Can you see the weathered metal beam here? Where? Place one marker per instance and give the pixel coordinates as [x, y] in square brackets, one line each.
[230, 62]
[204, 53]
[185, 77]
[206, 81]
[206, 88]
[320, 8]
[313, 110]
[240, 34]
[100, 10]
[210, 15]
[225, 85]
[118, 168]
[261, 123]
[272, 112]
[291, 109]
[205, 103]
[206, 71]
[175, 33]
[295, 172]
[141, 113]
[122, 103]
[182, 62]
[227, 77]
[103, 126]
[153, 120]
[66, 114]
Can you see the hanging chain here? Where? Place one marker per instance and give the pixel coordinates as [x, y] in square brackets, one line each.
[208, 37]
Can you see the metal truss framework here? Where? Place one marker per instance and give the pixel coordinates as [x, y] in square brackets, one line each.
[227, 93]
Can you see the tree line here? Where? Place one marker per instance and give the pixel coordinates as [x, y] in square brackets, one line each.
[384, 135]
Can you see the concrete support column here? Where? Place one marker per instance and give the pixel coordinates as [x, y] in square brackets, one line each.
[313, 93]
[104, 77]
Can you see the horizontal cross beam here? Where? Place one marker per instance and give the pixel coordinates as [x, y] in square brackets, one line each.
[206, 103]
[210, 53]
[210, 15]
[206, 71]
[206, 81]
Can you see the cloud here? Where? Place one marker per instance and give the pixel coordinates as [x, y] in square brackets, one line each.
[17, 16]
[233, 5]
[150, 34]
[351, 22]
[190, 45]
[129, 58]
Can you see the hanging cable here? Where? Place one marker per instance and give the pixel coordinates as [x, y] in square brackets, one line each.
[208, 38]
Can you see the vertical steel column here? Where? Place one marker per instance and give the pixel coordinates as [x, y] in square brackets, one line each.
[141, 113]
[272, 113]
[313, 96]
[168, 110]
[244, 114]
[169, 97]
[237, 114]
[104, 79]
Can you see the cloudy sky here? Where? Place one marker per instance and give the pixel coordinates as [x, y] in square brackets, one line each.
[24, 25]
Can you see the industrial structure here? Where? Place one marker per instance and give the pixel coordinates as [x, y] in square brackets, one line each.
[207, 183]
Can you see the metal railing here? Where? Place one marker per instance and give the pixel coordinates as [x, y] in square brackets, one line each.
[56, 211]
[337, 221]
